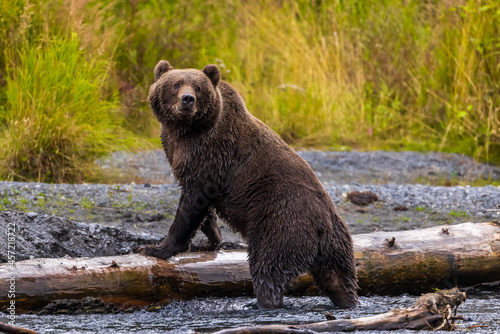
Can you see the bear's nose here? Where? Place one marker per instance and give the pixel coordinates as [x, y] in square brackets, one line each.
[187, 100]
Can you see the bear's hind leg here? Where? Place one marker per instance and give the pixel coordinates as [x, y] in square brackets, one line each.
[269, 292]
[340, 289]
[210, 228]
[271, 271]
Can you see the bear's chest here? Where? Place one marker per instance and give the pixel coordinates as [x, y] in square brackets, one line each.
[197, 165]
[186, 164]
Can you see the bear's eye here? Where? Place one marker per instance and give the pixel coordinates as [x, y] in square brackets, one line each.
[177, 85]
[197, 89]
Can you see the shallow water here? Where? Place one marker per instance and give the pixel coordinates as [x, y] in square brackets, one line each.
[481, 311]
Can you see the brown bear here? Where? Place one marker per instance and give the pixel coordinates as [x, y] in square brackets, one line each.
[230, 164]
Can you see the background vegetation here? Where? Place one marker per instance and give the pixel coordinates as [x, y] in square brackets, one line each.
[333, 74]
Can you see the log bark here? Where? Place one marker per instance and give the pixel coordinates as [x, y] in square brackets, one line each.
[431, 311]
[6, 328]
[388, 263]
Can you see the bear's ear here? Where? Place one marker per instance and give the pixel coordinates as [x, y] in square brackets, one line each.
[162, 67]
[213, 73]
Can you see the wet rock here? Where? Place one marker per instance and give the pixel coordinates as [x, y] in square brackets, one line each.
[155, 217]
[31, 214]
[87, 305]
[362, 198]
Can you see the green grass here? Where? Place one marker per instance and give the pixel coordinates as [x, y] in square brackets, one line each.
[56, 117]
[458, 213]
[41, 202]
[60, 107]
[74, 75]
[4, 203]
[87, 203]
[140, 206]
[22, 204]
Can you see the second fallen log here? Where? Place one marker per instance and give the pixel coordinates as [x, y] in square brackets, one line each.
[431, 311]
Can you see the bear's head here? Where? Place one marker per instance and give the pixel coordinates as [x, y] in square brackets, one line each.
[186, 101]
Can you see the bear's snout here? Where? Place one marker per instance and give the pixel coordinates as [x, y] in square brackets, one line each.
[187, 101]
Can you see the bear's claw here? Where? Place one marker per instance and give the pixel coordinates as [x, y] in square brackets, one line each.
[142, 249]
[155, 251]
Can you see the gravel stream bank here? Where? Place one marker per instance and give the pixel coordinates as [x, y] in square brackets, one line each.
[143, 212]
[375, 167]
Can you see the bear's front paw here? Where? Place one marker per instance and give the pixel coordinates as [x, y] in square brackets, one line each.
[156, 251]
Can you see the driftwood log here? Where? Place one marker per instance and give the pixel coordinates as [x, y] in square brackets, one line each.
[431, 311]
[6, 328]
[388, 263]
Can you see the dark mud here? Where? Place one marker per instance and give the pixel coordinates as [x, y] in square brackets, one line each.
[42, 235]
[87, 305]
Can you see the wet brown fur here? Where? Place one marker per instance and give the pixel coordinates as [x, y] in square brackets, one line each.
[231, 164]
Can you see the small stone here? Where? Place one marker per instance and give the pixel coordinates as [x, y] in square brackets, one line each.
[329, 316]
[81, 225]
[93, 227]
[32, 215]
